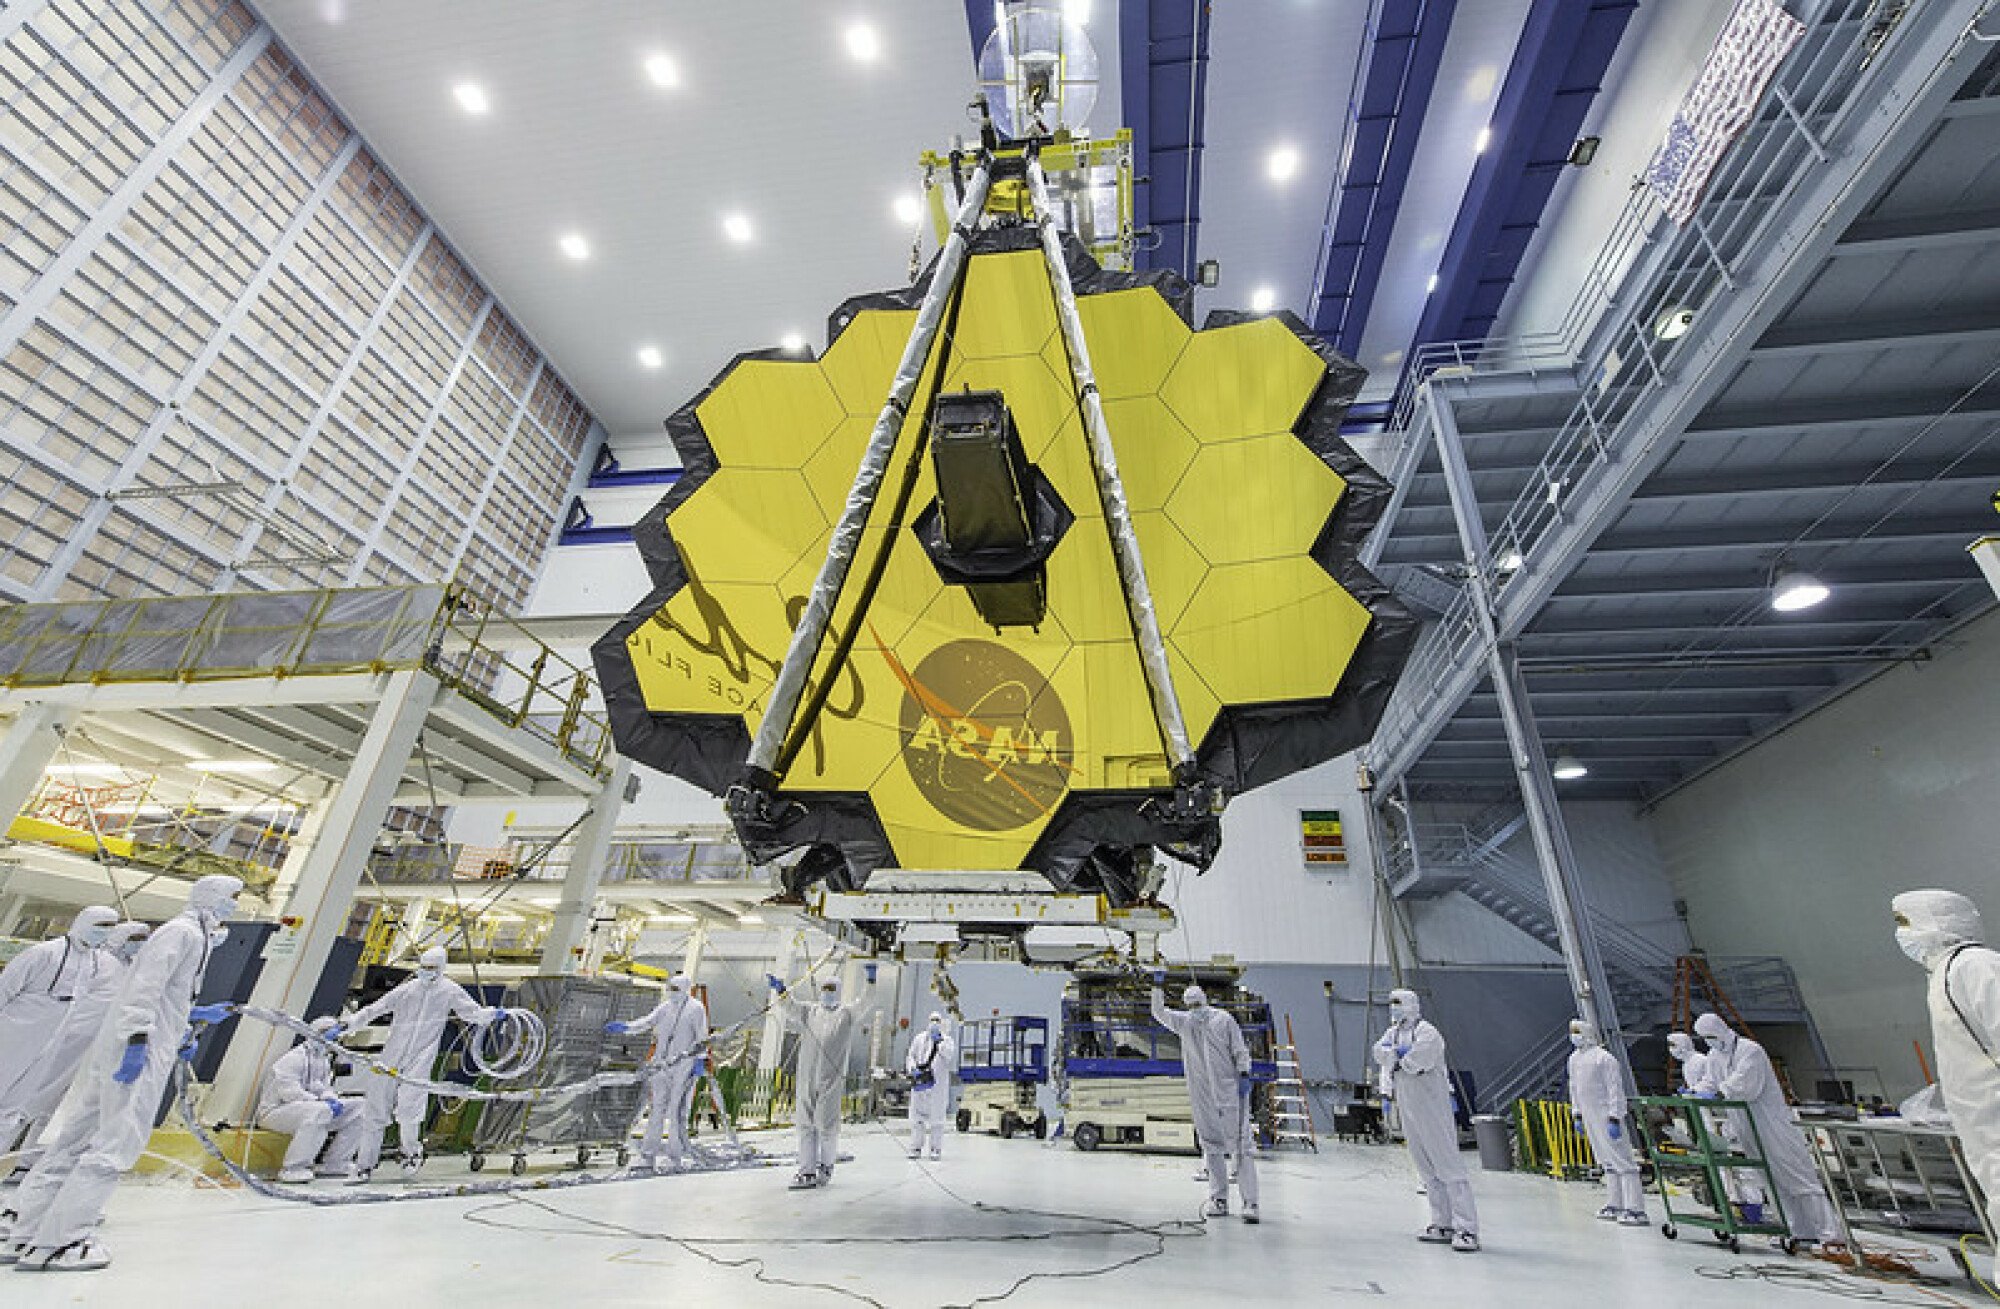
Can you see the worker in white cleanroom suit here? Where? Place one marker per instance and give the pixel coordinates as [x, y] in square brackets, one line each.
[1941, 930]
[929, 1061]
[826, 1036]
[298, 1099]
[42, 1090]
[39, 991]
[1412, 1058]
[1741, 1070]
[417, 1010]
[679, 1024]
[1742, 1185]
[1216, 1061]
[1597, 1101]
[118, 1090]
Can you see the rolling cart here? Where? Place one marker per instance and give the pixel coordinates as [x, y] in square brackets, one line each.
[1002, 1062]
[1686, 1145]
[575, 1010]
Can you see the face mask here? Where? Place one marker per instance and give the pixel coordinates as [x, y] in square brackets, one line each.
[428, 974]
[130, 950]
[830, 999]
[1578, 1039]
[1922, 944]
[94, 936]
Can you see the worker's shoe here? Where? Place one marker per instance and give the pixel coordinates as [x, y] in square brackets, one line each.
[916, 1154]
[1609, 1213]
[297, 1175]
[1465, 1242]
[1634, 1218]
[76, 1257]
[1250, 1214]
[360, 1176]
[1217, 1209]
[412, 1161]
[804, 1180]
[826, 1174]
[937, 1154]
[1435, 1235]
[11, 1252]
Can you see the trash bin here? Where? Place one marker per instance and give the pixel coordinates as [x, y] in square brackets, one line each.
[1496, 1146]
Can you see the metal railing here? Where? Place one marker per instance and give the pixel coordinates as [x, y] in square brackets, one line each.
[1647, 271]
[663, 862]
[446, 630]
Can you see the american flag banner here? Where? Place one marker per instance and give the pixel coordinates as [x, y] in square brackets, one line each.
[1755, 40]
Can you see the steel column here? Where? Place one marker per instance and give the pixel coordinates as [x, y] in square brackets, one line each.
[1531, 766]
[587, 853]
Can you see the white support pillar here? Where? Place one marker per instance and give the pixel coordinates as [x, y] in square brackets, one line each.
[773, 1048]
[415, 915]
[324, 892]
[587, 853]
[26, 751]
[697, 946]
[297, 850]
[10, 913]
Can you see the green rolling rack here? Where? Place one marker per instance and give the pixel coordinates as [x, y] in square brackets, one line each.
[1684, 1144]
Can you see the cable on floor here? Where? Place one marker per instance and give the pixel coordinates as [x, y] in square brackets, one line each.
[1917, 1290]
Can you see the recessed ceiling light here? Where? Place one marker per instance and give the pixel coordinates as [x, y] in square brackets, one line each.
[650, 357]
[793, 342]
[663, 70]
[1263, 298]
[737, 227]
[862, 42]
[574, 246]
[232, 765]
[471, 97]
[1568, 768]
[1795, 591]
[1283, 164]
[1484, 139]
[1431, 285]
[908, 209]
[750, 920]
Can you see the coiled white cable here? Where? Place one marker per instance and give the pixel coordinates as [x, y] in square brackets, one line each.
[510, 1046]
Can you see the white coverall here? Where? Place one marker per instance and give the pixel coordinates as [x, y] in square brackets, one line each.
[1742, 1071]
[51, 1082]
[680, 1034]
[294, 1100]
[1215, 1059]
[108, 1122]
[52, 996]
[1421, 1087]
[826, 1037]
[935, 1049]
[416, 1010]
[1742, 1185]
[1964, 1000]
[1597, 1096]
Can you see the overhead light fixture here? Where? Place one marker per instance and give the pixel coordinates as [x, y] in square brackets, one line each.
[793, 342]
[471, 97]
[662, 70]
[1484, 139]
[232, 765]
[86, 770]
[1510, 561]
[575, 246]
[1673, 323]
[670, 920]
[1282, 165]
[1431, 285]
[1568, 768]
[1794, 591]
[749, 920]
[737, 228]
[1263, 299]
[862, 42]
[1583, 151]
[908, 209]
[649, 356]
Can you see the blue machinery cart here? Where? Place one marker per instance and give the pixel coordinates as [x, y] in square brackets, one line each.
[1002, 1063]
[1690, 1143]
[1124, 1081]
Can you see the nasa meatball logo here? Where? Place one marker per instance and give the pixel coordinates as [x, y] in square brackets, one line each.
[985, 737]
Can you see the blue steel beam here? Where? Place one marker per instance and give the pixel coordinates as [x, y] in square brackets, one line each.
[1163, 72]
[1384, 117]
[979, 24]
[1558, 67]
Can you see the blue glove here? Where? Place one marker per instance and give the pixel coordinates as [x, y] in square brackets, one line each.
[617, 1029]
[1617, 1130]
[776, 984]
[1243, 1085]
[1402, 1049]
[1685, 1092]
[334, 1033]
[1708, 1095]
[210, 1013]
[190, 1046]
[1576, 1121]
[1159, 976]
[132, 1064]
[335, 1103]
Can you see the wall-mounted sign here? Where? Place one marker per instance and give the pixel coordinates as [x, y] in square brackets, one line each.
[1320, 832]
